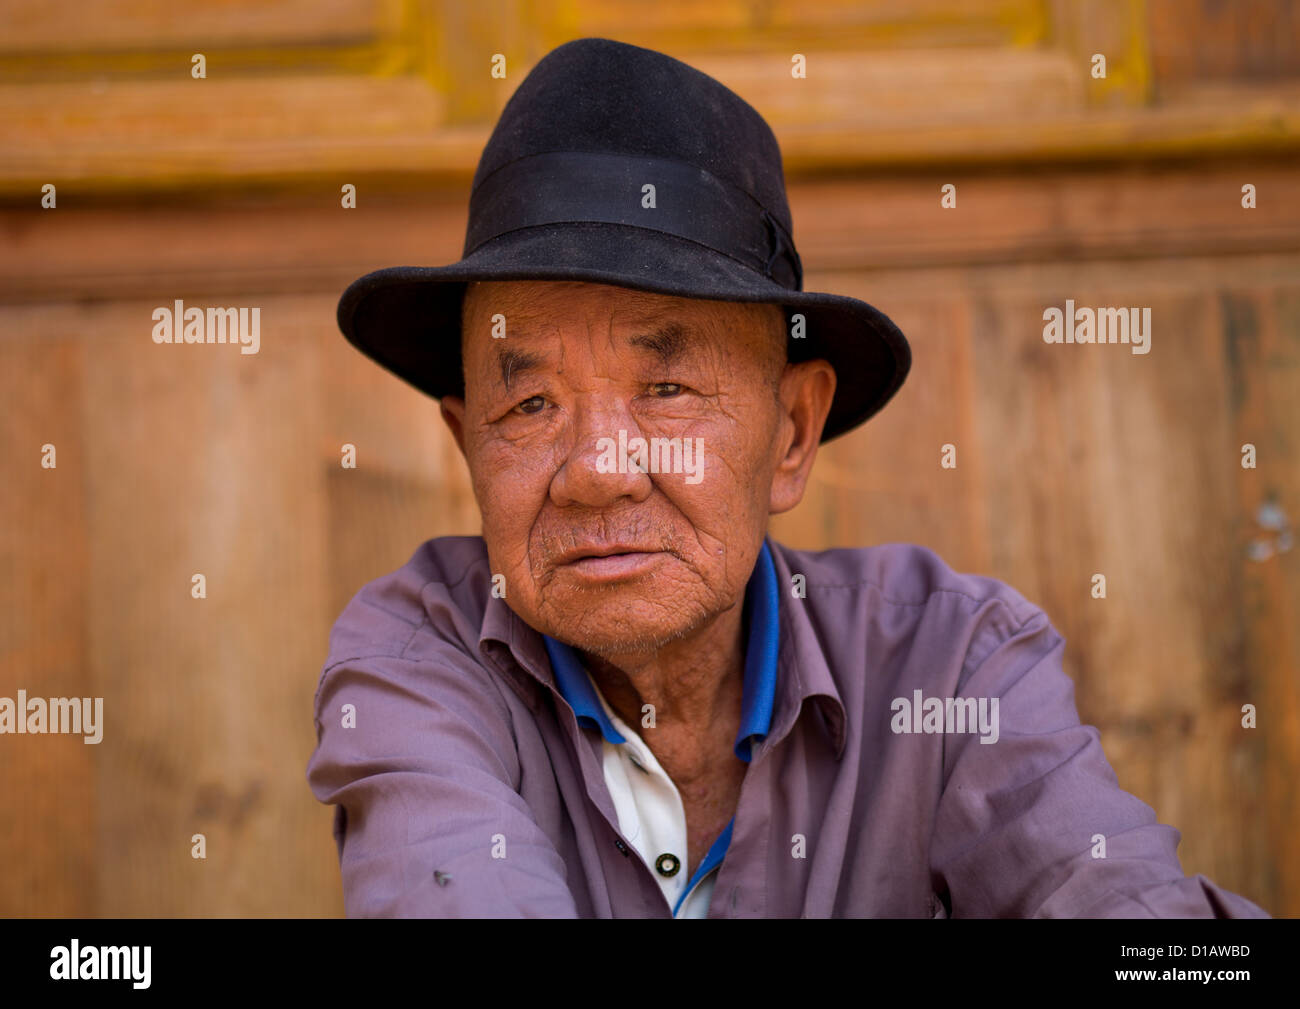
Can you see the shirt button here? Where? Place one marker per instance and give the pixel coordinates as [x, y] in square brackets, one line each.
[667, 865]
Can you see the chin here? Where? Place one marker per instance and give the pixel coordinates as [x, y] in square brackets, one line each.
[612, 622]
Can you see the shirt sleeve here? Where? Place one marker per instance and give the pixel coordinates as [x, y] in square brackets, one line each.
[430, 822]
[1020, 820]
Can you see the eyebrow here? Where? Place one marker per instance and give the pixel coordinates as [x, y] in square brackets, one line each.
[513, 362]
[668, 341]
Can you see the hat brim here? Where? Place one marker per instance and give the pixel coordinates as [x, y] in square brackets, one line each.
[407, 318]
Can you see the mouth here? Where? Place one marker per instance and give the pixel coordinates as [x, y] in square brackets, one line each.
[609, 563]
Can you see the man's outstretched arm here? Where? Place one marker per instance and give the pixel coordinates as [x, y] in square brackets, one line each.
[427, 785]
[1021, 821]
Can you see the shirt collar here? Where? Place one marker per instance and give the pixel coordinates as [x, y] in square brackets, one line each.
[763, 616]
[806, 675]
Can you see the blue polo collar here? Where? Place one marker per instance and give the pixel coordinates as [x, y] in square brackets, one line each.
[759, 689]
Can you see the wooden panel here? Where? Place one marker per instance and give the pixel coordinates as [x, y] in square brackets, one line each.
[883, 483]
[193, 462]
[78, 250]
[1195, 42]
[904, 90]
[884, 24]
[1067, 464]
[50, 807]
[145, 24]
[887, 85]
[1115, 29]
[195, 132]
[1262, 356]
[1125, 212]
[246, 132]
[310, 242]
[1264, 123]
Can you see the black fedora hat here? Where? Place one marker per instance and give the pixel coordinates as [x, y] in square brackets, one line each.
[561, 193]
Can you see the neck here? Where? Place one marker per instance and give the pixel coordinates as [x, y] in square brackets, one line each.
[695, 683]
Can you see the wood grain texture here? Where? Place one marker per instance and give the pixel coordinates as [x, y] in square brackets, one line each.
[1261, 357]
[1072, 460]
[1200, 43]
[407, 89]
[198, 464]
[145, 24]
[49, 804]
[305, 240]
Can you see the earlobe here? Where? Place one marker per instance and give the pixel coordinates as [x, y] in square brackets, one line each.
[807, 389]
[807, 392]
[453, 415]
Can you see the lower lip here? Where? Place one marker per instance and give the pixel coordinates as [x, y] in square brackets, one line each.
[614, 566]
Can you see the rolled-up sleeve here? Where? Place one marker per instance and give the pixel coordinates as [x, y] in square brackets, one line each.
[425, 773]
[1021, 822]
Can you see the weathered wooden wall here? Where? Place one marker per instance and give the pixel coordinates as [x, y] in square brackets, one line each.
[1072, 460]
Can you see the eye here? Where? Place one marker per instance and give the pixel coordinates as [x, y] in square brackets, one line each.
[666, 390]
[533, 404]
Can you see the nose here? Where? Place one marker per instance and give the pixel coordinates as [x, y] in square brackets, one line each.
[596, 473]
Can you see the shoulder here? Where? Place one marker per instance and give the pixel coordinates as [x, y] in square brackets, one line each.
[442, 588]
[413, 636]
[911, 590]
[904, 575]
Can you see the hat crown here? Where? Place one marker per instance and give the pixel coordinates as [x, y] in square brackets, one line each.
[602, 96]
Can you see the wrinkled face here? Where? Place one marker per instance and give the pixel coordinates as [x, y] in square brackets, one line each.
[623, 449]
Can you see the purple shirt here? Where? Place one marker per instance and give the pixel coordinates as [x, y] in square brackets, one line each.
[466, 787]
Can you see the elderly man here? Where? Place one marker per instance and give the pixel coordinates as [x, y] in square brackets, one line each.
[624, 699]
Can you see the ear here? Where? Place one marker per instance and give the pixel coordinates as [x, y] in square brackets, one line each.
[807, 389]
[453, 415]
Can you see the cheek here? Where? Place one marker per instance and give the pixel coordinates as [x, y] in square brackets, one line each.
[511, 488]
[731, 495]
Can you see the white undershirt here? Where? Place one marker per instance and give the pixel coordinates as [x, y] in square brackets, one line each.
[651, 814]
